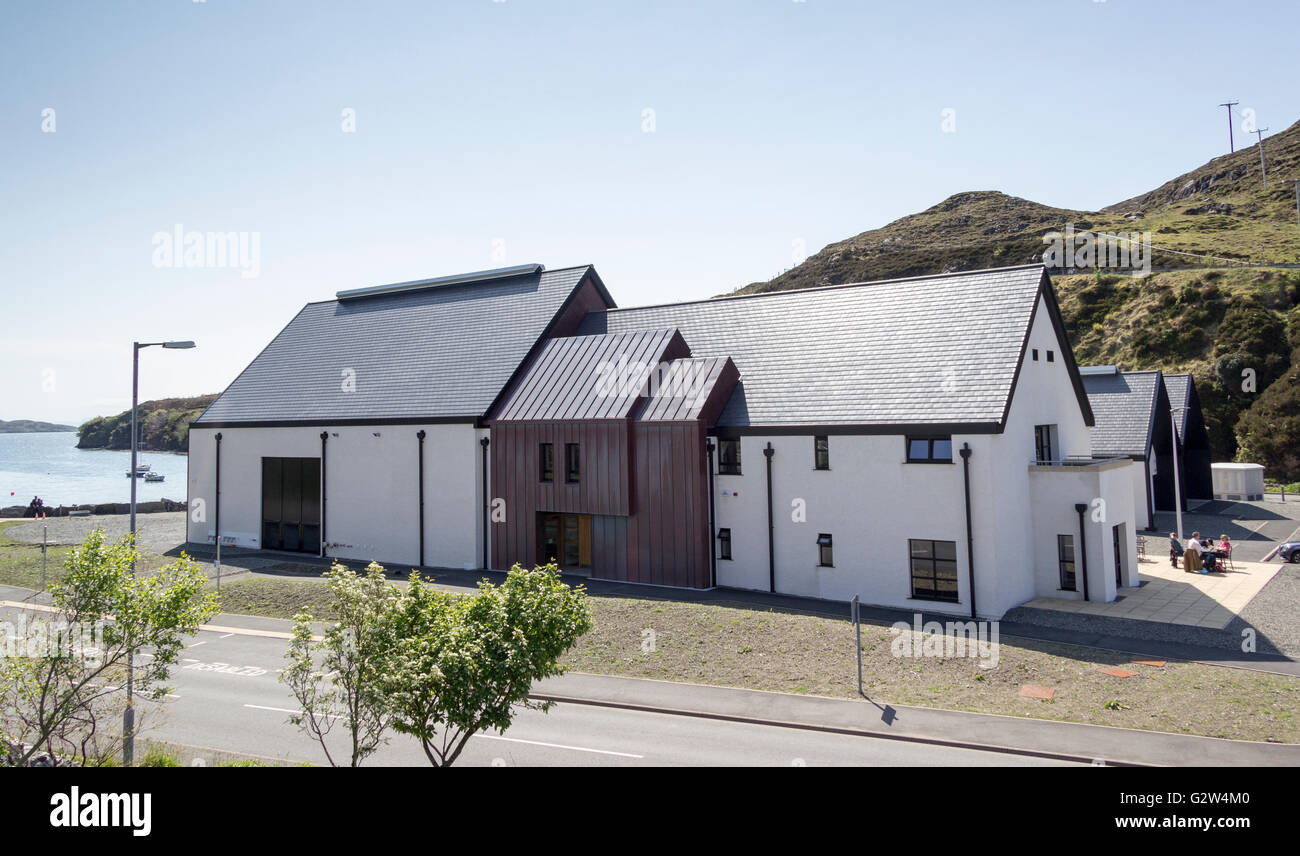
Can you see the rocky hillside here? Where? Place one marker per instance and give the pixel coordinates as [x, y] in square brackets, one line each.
[1230, 312]
[164, 425]
[1220, 209]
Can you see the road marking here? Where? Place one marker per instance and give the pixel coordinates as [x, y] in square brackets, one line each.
[486, 736]
[196, 644]
[227, 636]
[558, 746]
[215, 628]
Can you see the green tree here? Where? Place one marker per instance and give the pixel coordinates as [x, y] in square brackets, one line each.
[67, 683]
[1269, 432]
[338, 679]
[462, 665]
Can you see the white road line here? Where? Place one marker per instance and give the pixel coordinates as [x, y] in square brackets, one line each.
[558, 746]
[196, 644]
[486, 736]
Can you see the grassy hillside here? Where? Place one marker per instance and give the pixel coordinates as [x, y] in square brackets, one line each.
[1220, 209]
[1213, 321]
[164, 425]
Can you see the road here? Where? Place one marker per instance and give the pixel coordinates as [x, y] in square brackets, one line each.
[226, 696]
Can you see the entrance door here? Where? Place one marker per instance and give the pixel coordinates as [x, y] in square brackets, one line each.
[291, 504]
[564, 539]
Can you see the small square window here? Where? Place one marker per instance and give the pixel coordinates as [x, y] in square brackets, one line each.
[724, 543]
[729, 457]
[1035, 353]
[1051, 357]
[572, 463]
[546, 459]
[821, 453]
[825, 552]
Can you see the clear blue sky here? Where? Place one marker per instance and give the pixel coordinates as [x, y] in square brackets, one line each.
[521, 121]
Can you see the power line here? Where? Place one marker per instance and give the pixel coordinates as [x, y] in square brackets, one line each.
[1259, 135]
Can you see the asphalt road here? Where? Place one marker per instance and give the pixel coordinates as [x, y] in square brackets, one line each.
[226, 696]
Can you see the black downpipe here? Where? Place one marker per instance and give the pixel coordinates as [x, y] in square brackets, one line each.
[1083, 546]
[420, 436]
[771, 526]
[1151, 496]
[324, 435]
[970, 529]
[217, 503]
[487, 501]
[713, 522]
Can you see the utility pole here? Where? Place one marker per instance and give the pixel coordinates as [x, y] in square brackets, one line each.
[1230, 105]
[1263, 167]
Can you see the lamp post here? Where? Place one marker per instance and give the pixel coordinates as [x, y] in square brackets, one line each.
[128, 715]
[1178, 500]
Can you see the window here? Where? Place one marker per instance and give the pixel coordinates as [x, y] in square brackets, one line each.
[934, 570]
[1065, 558]
[1043, 442]
[929, 450]
[546, 457]
[724, 543]
[1034, 351]
[825, 553]
[1051, 357]
[821, 453]
[729, 457]
[572, 465]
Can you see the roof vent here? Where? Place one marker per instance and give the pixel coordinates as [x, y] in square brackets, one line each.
[1098, 370]
[440, 282]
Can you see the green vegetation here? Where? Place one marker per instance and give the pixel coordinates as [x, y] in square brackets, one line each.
[164, 425]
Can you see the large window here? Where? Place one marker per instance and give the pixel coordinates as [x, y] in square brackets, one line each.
[572, 463]
[546, 456]
[1065, 558]
[729, 457]
[825, 551]
[821, 453]
[929, 450]
[934, 570]
[1043, 436]
[724, 543]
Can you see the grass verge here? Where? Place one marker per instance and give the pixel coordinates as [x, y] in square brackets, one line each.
[795, 653]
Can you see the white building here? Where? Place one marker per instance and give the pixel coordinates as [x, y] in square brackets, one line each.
[920, 443]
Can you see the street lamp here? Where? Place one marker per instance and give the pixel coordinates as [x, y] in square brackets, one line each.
[1178, 500]
[128, 715]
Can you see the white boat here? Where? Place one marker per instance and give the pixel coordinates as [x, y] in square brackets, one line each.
[154, 477]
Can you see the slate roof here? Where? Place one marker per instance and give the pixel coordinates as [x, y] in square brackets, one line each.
[927, 350]
[437, 354]
[1124, 406]
[1179, 390]
[685, 388]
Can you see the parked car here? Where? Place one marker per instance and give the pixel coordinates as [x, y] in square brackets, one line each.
[1290, 551]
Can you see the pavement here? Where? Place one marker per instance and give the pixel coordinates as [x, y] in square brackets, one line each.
[226, 699]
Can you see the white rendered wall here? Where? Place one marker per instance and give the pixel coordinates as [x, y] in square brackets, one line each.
[372, 509]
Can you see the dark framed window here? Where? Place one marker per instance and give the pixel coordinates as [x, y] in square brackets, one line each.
[934, 569]
[572, 463]
[724, 543]
[1034, 351]
[929, 450]
[1043, 442]
[821, 453]
[546, 462]
[825, 551]
[1065, 558]
[729, 457]
[1051, 357]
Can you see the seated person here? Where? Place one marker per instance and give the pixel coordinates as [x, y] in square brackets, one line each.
[1224, 549]
[1175, 548]
[1207, 556]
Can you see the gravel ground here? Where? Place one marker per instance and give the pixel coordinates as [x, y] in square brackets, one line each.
[157, 533]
